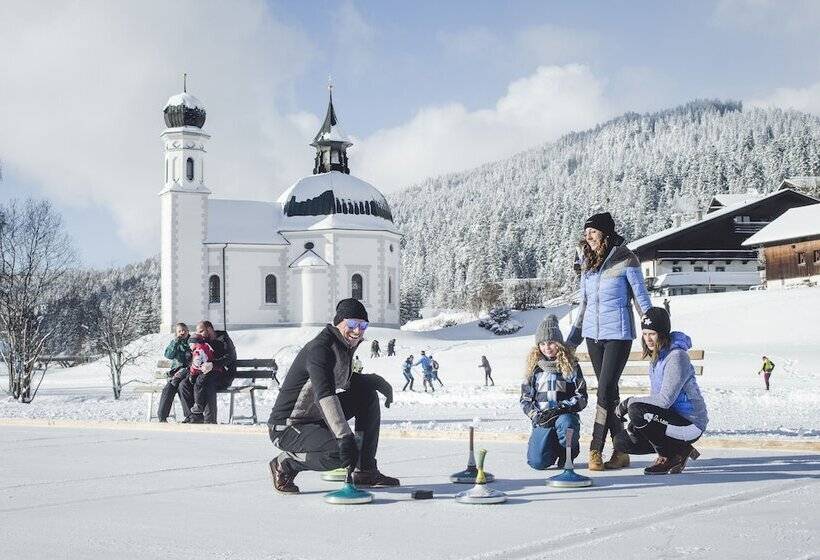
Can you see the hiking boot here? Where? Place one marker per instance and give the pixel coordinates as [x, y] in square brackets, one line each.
[660, 466]
[373, 478]
[619, 460]
[282, 480]
[193, 419]
[596, 461]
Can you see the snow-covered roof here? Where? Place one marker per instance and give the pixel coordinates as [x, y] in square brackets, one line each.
[185, 99]
[308, 259]
[730, 278]
[737, 198]
[649, 239]
[793, 224]
[244, 221]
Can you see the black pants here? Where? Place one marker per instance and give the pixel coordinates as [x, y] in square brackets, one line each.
[488, 376]
[166, 399]
[656, 430]
[608, 360]
[211, 384]
[313, 447]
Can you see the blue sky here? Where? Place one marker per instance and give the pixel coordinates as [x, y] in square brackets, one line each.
[422, 87]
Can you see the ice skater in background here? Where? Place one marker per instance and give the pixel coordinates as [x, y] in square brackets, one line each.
[434, 365]
[488, 371]
[406, 370]
[766, 369]
[553, 393]
[673, 416]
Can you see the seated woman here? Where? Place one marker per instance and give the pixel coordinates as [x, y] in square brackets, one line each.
[673, 416]
[552, 394]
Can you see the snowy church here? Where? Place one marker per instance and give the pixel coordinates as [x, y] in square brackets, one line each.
[247, 264]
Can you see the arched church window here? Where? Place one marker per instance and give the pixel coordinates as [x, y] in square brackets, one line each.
[214, 292]
[357, 286]
[270, 288]
[189, 169]
[389, 289]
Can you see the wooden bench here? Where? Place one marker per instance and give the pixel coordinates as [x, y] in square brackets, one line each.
[251, 369]
[635, 366]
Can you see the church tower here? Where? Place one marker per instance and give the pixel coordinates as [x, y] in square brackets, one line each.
[184, 206]
[331, 144]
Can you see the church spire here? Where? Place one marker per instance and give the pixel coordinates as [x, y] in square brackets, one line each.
[330, 142]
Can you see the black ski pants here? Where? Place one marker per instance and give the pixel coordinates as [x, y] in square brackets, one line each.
[488, 376]
[313, 447]
[653, 429]
[608, 359]
[166, 398]
[209, 386]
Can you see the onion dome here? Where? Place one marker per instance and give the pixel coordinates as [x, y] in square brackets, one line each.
[183, 109]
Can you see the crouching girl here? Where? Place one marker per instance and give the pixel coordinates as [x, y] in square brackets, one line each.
[552, 394]
[673, 416]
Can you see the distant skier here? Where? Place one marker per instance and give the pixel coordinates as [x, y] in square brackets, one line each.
[374, 349]
[488, 371]
[666, 306]
[406, 370]
[434, 365]
[552, 395]
[357, 366]
[767, 369]
[426, 370]
[673, 416]
[391, 347]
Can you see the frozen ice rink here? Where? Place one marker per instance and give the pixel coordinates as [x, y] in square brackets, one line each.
[103, 494]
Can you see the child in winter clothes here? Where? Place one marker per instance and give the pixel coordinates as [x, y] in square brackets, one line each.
[202, 355]
[552, 394]
[673, 416]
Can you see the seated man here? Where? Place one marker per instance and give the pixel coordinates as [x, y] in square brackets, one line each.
[224, 369]
[309, 418]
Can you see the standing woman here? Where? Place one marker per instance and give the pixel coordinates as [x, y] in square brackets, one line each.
[611, 281]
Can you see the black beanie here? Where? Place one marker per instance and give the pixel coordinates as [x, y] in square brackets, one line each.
[602, 222]
[350, 308]
[656, 319]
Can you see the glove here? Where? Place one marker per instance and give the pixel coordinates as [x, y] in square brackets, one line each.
[546, 418]
[621, 409]
[348, 451]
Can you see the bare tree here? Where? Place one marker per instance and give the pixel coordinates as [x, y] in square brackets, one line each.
[122, 312]
[35, 253]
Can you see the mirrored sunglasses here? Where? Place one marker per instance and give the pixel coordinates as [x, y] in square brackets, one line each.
[356, 324]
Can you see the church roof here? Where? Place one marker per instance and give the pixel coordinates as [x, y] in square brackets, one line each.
[330, 130]
[244, 221]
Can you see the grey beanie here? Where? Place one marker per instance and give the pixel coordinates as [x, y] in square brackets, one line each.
[549, 331]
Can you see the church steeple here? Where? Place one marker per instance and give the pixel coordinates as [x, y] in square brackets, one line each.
[331, 144]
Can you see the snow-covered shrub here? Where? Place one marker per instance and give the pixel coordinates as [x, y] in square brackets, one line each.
[500, 321]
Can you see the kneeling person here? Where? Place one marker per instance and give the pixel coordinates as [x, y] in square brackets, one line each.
[552, 394]
[309, 418]
[673, 416]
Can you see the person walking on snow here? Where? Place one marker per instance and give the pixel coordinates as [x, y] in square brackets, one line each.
[553, 393]
[666, 306]
[767, 369]
[391, 347]
[673, 416]
[426, 371]
[374, 349]
[406, 370]
[434, 376]
[308, 422]
[488, 371]
[611, 281]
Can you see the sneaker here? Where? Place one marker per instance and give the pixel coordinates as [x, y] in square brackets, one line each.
[596, 461]
[373, 478]
[618, 460]
[282, 480]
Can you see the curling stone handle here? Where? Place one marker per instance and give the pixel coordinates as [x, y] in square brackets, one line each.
[481, 478]
[568, 438]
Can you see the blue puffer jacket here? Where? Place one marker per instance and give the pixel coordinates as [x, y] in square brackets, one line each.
[606, 297]
[673, 384]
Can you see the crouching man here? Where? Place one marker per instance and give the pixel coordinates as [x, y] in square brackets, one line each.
[308, 422]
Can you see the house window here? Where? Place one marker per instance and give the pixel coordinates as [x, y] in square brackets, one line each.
[189, 169]
[214, 295]
[270, 288]
[389, 289]
[817, 257]
[718, 290]
[676, 269]
[698, 269]
[801, 259]
[720, 269]
[357, 287]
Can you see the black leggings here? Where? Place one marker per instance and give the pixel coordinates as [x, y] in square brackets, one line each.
[656, 430]
[608, 360]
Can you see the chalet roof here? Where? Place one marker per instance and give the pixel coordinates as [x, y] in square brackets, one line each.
[795, 223]
[727, 211]
[798, 183]
[722, 200]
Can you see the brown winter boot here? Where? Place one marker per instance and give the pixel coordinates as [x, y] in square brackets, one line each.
[282, 480]
[596, 461]
[618, 460]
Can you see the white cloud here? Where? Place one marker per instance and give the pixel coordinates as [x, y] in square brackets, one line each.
[802, 99]
[541, 107]
[355, 39]
[84, 85]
